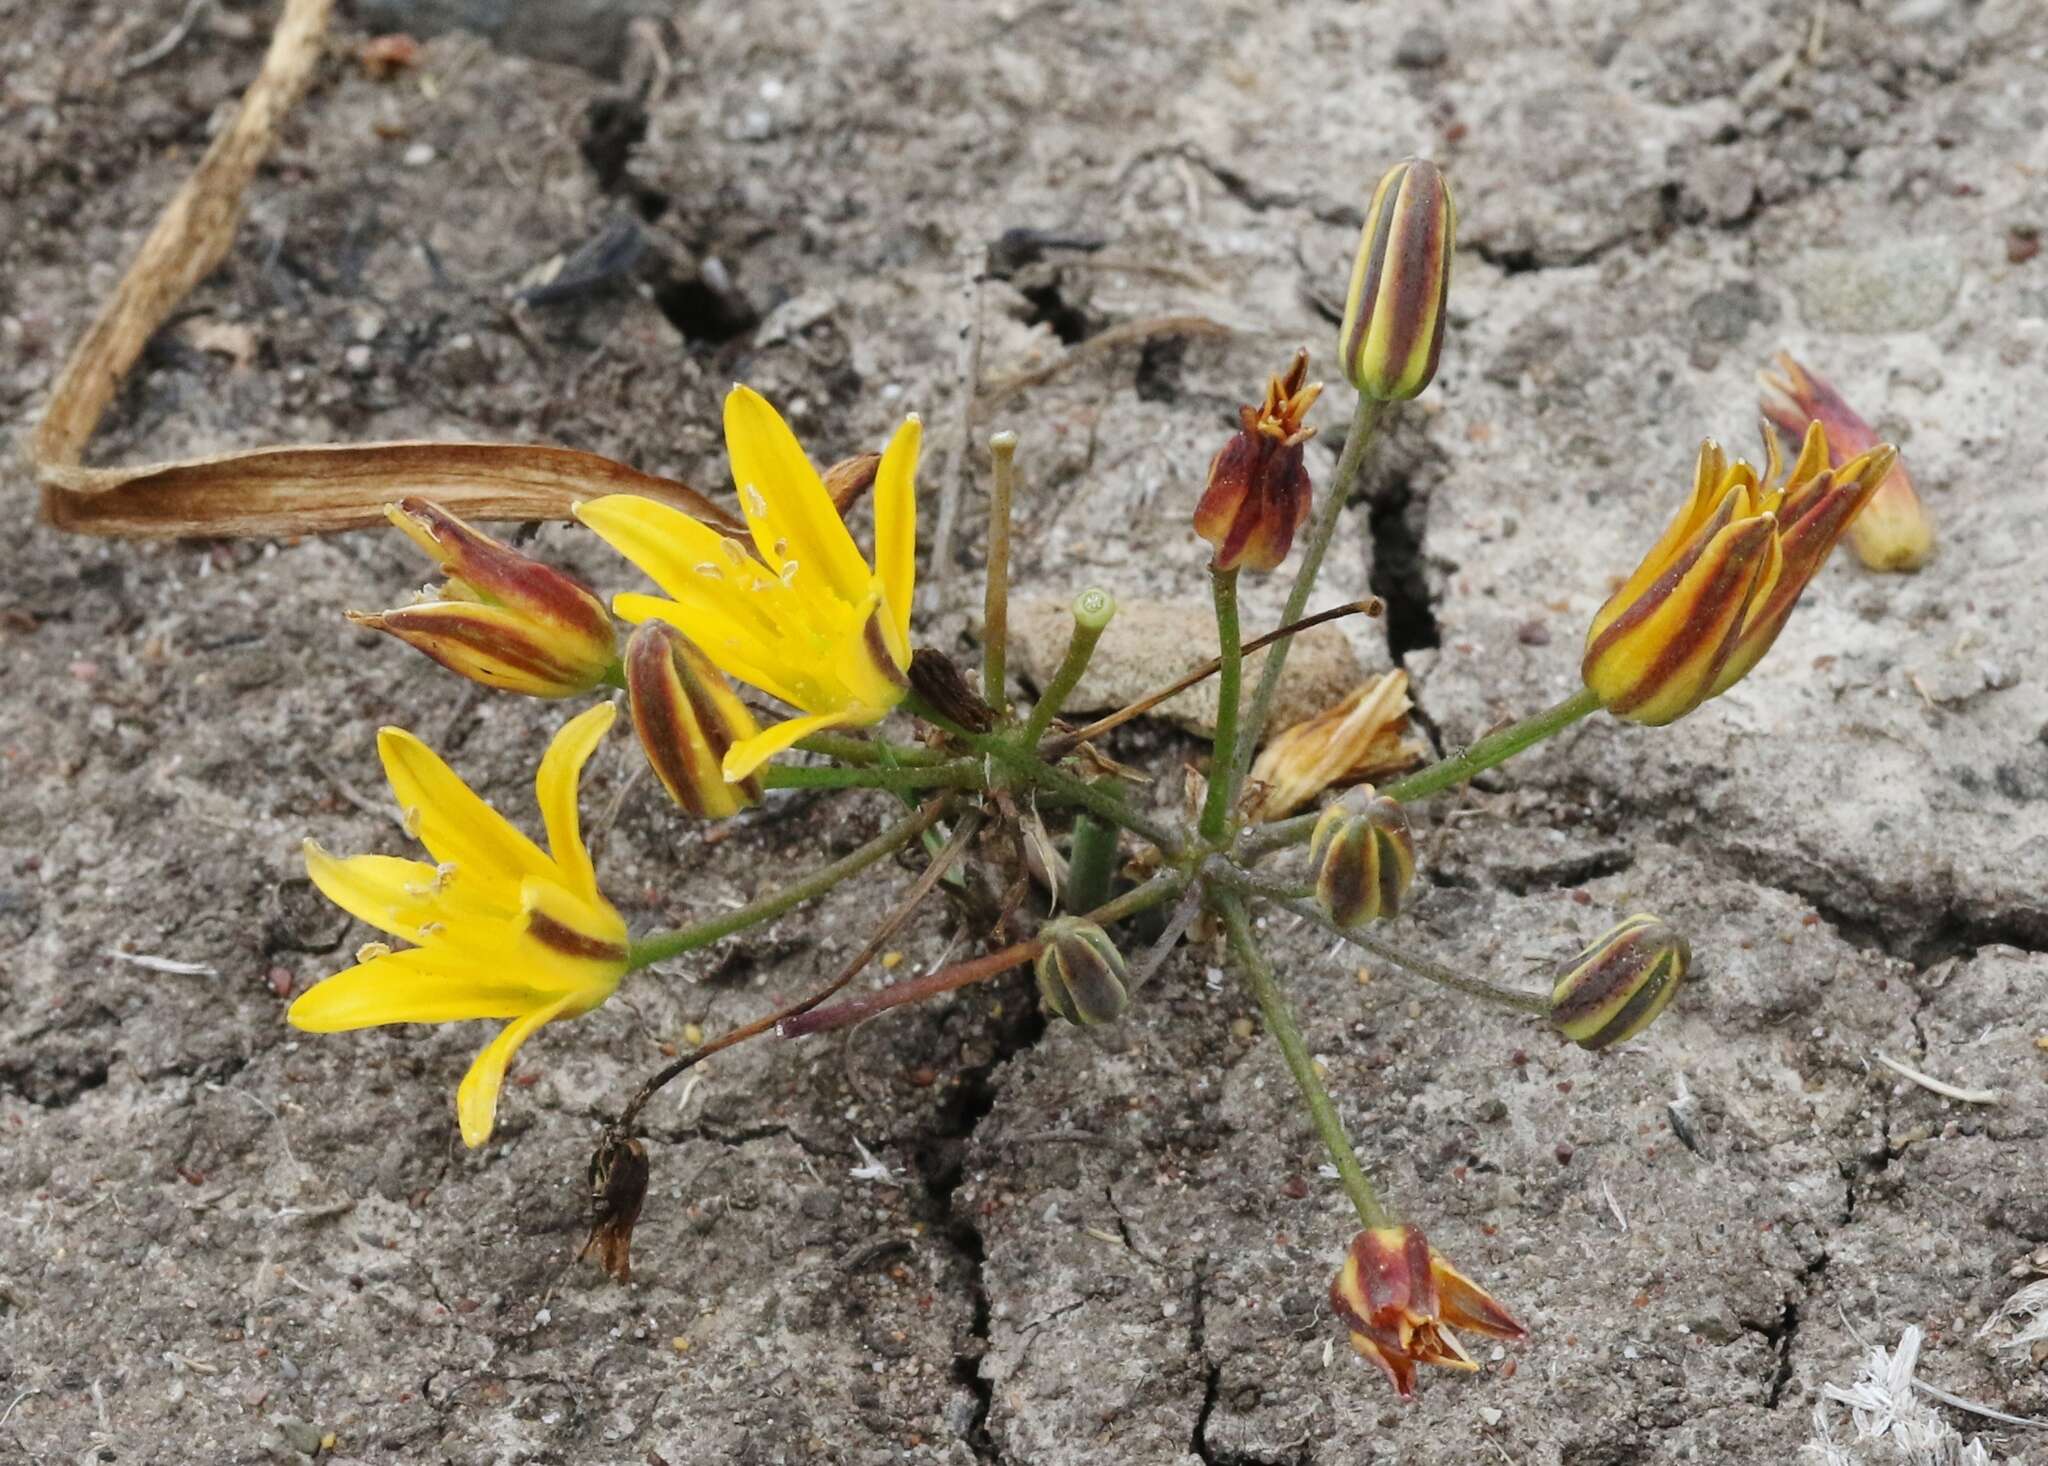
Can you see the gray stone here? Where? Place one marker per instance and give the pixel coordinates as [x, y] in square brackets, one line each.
[1898, 285]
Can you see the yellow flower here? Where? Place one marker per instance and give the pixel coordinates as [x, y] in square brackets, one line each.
[802, 616]
[1712, 595]
[503, 929]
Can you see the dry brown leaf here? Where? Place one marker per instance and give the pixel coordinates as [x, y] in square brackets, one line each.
[326, 487]
[1364, 737]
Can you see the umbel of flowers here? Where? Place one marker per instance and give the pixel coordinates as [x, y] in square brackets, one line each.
[788, 637]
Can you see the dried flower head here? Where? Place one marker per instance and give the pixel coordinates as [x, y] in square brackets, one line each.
[1258, 491]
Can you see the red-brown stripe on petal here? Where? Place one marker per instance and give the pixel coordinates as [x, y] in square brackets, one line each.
[569, 942]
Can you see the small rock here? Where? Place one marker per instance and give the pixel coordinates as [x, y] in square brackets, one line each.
[1899, 285]
[1724, 315]
[1420, 48]
[301, 1437]
[419, 155]
[1152, 642]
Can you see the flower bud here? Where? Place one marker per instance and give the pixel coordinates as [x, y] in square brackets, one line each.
[1892, 531]
[502, 618]
[1614, 989]
[1258, 490]
[1393, 325]
[1364, 858]
[687, 716]
[618, 1186]
[1081, 975]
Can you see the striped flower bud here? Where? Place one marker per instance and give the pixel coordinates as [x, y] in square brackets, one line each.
[1081, 975]
[687, 716]
[1393, 325]
[1892, 531]
[1610, 992]
[502, 618]
[1258, 491]
[1364, 858]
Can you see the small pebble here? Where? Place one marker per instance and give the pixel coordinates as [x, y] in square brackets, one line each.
[419, 155]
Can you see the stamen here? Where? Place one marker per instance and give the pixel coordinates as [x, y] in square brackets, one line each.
[371, 951]
[782, 549]
[414, 815]
[734, 551]
[757, 507]
[789, 572]
[709, 571]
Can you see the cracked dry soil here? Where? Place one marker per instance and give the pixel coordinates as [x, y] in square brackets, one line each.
[220, 1241]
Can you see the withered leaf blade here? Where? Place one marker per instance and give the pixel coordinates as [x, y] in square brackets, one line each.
[320, 488]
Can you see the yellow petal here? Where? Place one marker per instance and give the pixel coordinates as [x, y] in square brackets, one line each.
[413, 986]
[395, 896]
[693, 563]
[896, 522]
[732, 649]
[476, 1101]
[575, 948]
[555, 787]
[749, 754]
[450, 820]
[785, 502]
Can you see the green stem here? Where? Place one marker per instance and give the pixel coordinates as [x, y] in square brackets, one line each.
[1091, 863]
[995, 617]
[851, 750]
[1494, 748]
[964, 775]
[1289, 899]
[663, 945]
[1033, 770]
[1364, 420]
[1092, 610]
[1223, 754]
[1279, 1017]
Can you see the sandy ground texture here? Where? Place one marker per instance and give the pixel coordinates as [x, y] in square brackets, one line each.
[962, 1234]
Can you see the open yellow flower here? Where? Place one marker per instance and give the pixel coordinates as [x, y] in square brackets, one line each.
[503, 929]
[802, 616]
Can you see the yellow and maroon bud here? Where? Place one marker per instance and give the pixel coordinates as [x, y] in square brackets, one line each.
[501, 618]
[1655, 650]
[687, 716]
[1400, 1300]
[1393, 327]
[1081, 975]
[1810, 509]
[1893, 531]
[1258, 490]
[1363, 855]
[1618, 985]
[618, 1186]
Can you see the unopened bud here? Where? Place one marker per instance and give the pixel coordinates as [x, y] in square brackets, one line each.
[502, 618]
[1893, 531]
[1258, 490]
[1612, 990]
[1393, 325]
[618, 1186]
[687, 716]
[1364, 858]
[1081, 975]
[934, 678]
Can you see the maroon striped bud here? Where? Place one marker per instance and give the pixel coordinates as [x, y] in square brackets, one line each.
[1394, 314]
[1363, 855]
[687, 716]
[1618, 985]
[501, 618]
[1081, 975]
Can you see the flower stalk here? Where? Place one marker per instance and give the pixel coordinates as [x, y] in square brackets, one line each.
[1230, 663]
[1279, 1020]
[995, 617]
[1093, 609]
